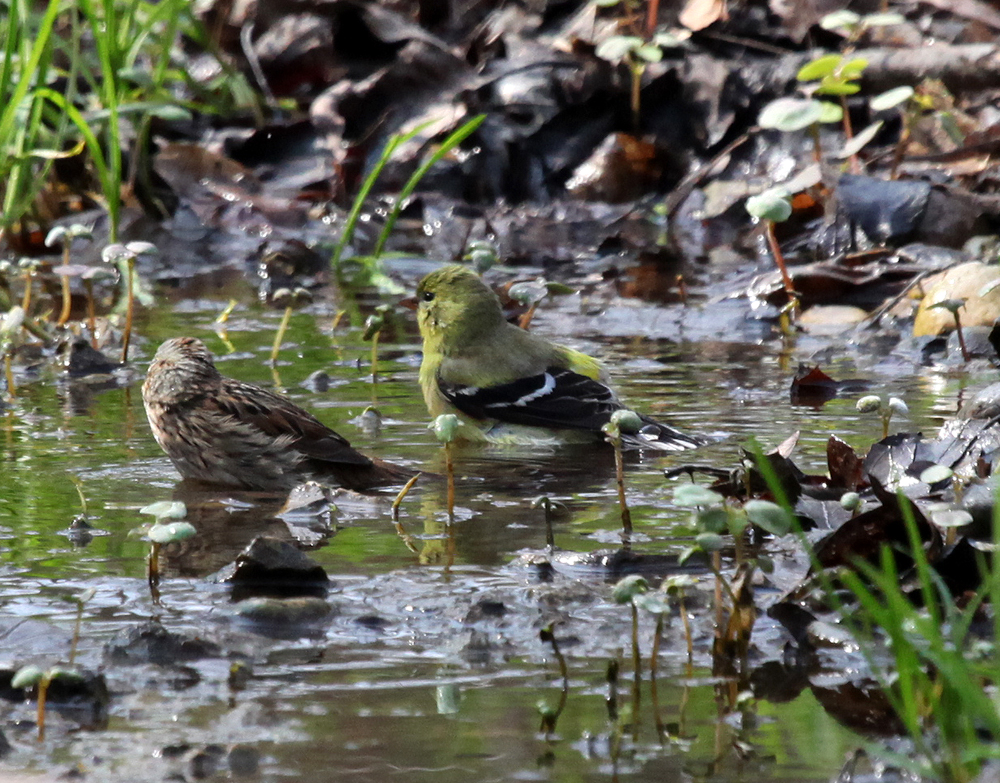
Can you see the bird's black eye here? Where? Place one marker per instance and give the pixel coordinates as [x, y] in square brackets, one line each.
[427, 296]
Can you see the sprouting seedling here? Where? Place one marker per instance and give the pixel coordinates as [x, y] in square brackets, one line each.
[532, 294]
[482, 255]
[128, 254]
[550, 507]
[674, 587]
[10, 325]
[88, 275]
[636, 53]
[622, 421]
[289, 299]
[164, 531]
[950, 516]
[713, 516]
[374, 324]
[953, 306]
[66, 235]
[28, 267]
[775, 206]
[656, 604]
[911, 104]
[795, 114]
[872, 403]
[832, 76]
[80, 601]
[854, 25]
[407, 538]
[445, 429]
[549, 714]
[40, 679]
[627, 591]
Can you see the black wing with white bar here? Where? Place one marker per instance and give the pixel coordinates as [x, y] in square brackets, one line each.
[557, 398]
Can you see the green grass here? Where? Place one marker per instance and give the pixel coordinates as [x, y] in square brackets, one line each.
[73, 74]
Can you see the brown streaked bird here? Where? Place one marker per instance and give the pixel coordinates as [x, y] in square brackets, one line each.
[223, 431]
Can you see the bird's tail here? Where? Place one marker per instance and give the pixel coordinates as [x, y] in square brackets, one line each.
[654, 435]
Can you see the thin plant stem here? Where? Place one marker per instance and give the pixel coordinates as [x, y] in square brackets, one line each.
[779, 259]
[550, 538]
[43, 689]
[449, 465]
[276, 348]
[28, 281]
[653, 667]
[636, 672]
[76, 632]
[66, 301]
[130, 306]
[407, 538]
[652, 14]
[687, 627]
[548, 635]
[375, 367]
[622, 502]
[154, 565]
[961, 338]
[8, 371]
[88, 286]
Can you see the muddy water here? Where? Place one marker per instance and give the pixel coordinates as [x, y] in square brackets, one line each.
[429, 664]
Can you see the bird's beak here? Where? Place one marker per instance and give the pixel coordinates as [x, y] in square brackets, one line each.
[410, 303]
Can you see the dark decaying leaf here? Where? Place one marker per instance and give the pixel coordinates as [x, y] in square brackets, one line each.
[811, 386]
[862, 538]
[843, 465]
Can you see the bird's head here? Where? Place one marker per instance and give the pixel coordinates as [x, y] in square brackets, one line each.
[181, 369]
[455, 307]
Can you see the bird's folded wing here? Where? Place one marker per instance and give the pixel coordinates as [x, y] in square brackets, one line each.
[557, 398]
[276, 416]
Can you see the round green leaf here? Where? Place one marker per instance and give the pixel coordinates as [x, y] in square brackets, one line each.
[850, 501]
[445, 427]
[790, 114]
[709, 542]
[818, 68]
[853, 69]
[713, 520]
[859, 140]
[773, 205]
[952, 518]
[891, 98]
[616, 47]
[626, 420]
[165, 509]
[26, 677]
[868, 404]
[839, 19]
[653, 603]
[174, 531]
[834, 85]
[830, 113]
[769, 516]
[936, 473]
[649, 53]
[65, 674]
[626, 589]
[693, 495]
[883, 20]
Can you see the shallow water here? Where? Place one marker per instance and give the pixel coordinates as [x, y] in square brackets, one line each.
[429, 666]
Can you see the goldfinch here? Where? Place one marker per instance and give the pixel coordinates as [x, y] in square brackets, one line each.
[508, 385]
